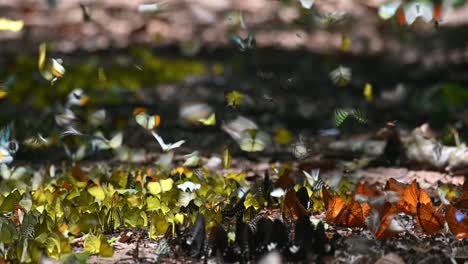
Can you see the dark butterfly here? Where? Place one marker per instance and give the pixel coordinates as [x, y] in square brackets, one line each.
[244, 44]
[196, 241]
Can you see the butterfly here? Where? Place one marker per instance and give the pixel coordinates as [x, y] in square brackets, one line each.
[161, 186]
[367, 92]
[197, 239]
[244, 44]
[410, 198]
[50, 69]
[188, 185]
[292, 205]
[209, 121]
[340, 115]
[167, 147]
[389, 9]
[383, 222]
[147, 121]
[349, 214]
[79, 154]
[76, 97]
[425, 10]
[11, 25]
[430, 220]
[65, 118]
[307, 3]
[314, 180]
[8, 146]
[37, 141]
[97, 118]
[457, 222]
[341, 76]
[11, 173]
[149, 8]
[192, 159]
[192, 113]
[253, 140]
[101, 143]
[462, 202]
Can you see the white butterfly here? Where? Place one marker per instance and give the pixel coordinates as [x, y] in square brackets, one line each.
[77, 97]
[11, 173]
[307, 3]
[147, 121]
[388, 10]
[76, 156]
[189, 185]
[167, 147]
[414, 10]
[102, 143]
[65, 118]
[98, 117]
[192, 159]
[5, 156]
[278, 192]
[314, 179]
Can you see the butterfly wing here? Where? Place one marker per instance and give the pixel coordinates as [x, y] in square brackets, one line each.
[430, 221]
[175, 145]
[426, 11]
[238, 40]
[160, 141]
[388, 10]
[5, 134]
[307, 3]
[116, 141]
[457, 222]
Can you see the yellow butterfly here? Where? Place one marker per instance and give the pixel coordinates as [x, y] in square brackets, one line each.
[209, 121]
[50, 69]
[253, 140]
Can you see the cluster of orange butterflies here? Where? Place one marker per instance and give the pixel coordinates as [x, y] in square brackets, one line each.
[379, 210]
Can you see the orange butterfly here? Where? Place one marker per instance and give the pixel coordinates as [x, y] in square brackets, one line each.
[365, 191]
[457, 222]
[387, 226]
[462, 202]
[292, 205]
[340, 213]
[411, 196]
[430, 220]
[396, 186]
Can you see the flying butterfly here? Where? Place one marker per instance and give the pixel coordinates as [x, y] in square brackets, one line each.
[167, 147]
[101, 143]
[253, 140]
[50, 69]
[368, 92]
[11, 25]
[37, 141]
[425, 10]
[307, 4]
[147, 121]
[340, 115]
[244, 44]
[341, 76]
[209, 121]
[388, 10]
